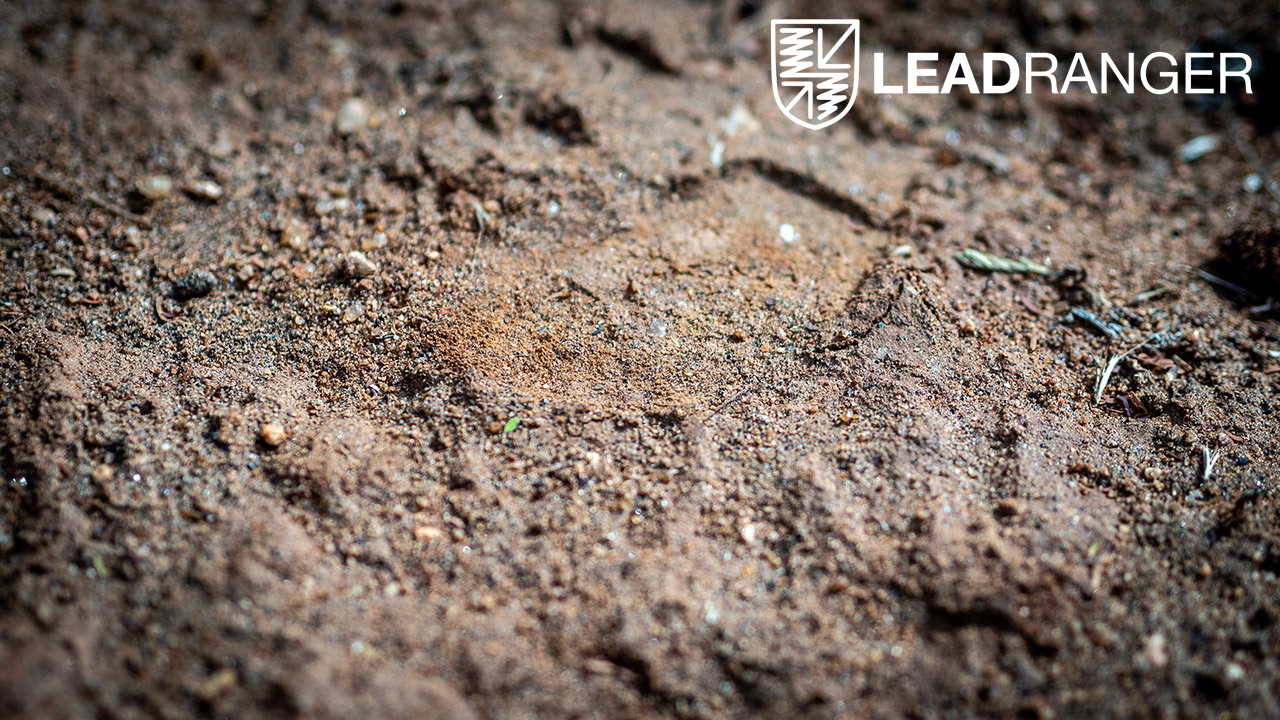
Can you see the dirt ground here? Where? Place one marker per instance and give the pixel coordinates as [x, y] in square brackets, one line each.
[575, 433]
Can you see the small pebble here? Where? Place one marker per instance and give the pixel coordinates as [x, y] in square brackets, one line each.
[1198, 147]
[376, 241]
[340, 48]
[221, 149]
[356, 265]
[43, 215]
[155, 187]
[273, 434]
[353, 116]
[1156, 650]
[194, 284]
[787, 232]
[354, 312]
[1252, 183]
[328, 206]
[428, 533]
[295, 234]
[205, 190]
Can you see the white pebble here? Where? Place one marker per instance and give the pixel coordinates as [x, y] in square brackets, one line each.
[1196, 148]
[1252, 183]
[155, 187]
[356, 265]
[206, 189]
[354, 312]
[787, 232]
[353, 116]
[328, 206]
[295, 234]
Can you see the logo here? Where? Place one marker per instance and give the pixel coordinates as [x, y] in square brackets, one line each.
[815, 72]
[810, 83]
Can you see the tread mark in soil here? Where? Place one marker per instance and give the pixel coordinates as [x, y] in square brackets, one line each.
[808, 186]
[638, 47]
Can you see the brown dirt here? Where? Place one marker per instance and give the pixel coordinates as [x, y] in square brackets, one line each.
[751, 478]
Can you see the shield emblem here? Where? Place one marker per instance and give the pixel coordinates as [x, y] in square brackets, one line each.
[815, 69]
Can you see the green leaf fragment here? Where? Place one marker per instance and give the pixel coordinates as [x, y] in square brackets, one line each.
[978, 260]
[512, 424]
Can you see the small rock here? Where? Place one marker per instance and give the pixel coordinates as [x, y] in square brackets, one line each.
[327, 206]
[377, 241]
[194, 284]
[43, 215]
[221, 149]
[155, 187]
[428, 533]
[295, 234]
[340, 48]
[354, 312]
[205, 190]
[356, 265]
[1156, 651]
[352, 116]
[1198, 147]
[217, 685]
[273, 434]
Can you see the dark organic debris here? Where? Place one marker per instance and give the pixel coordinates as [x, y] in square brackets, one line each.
[1130, 405]
[639, 47]
[1248, 259]
[194, 284]
[559, 118]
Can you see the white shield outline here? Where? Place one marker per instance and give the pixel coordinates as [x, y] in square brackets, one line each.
[852, 77]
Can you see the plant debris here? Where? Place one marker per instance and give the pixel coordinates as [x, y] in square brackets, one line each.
[194, 284]
[978, 260]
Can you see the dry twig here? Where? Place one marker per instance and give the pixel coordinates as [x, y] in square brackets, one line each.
[1210, 460]
[1104, 376]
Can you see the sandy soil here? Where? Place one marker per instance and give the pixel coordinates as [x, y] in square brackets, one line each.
[575, 433]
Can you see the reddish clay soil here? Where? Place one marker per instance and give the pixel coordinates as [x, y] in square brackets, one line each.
[579, 435]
